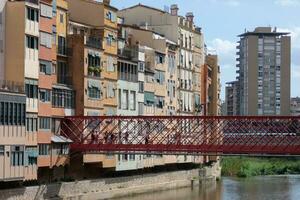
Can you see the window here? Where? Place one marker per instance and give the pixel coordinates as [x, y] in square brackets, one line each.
[110, 39]
[46, 11]
[141, 108]
[62, 73]
[44, 149]
[110, 90]
[17, 155]
[159, 102]
[125, 100]
[46, 39]
[160, 58]
[45, 123]
[94, 92]
[31, 89]
[141, 67]
[62, 98]
[110, 64]
[141, 86]
[109, 15]
[45, 95]
[94, 60]
[45, 67]
[61, 18]
[132, 100]
[32, 14]
[160, 77]
[62, 46]
[31, 124]
[12, 113]
[31, 42]
[54, 35]
[1, 150]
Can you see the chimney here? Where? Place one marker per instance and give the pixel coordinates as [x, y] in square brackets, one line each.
[106, 2]
[174, 9]
[190, 17]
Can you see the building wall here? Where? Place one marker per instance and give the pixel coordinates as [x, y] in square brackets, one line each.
[14, 32]
[285, 83]
[2, 38]
[252, 78]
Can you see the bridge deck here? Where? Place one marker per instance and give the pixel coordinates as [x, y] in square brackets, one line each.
[184, 134]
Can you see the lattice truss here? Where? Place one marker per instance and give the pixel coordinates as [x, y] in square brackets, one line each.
[184, 135]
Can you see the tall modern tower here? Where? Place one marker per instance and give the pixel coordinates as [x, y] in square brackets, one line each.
[264, 62]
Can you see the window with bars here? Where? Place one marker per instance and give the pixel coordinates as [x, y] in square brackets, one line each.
[12, 113]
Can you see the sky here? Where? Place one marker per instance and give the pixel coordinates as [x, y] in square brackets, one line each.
[223, 20]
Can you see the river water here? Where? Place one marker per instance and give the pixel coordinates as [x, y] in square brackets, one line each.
[257, 188]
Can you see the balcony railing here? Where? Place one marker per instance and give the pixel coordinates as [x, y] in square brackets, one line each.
[94, 42]
[33, 1]
[64, 79]
[11, 86]
[62, 50]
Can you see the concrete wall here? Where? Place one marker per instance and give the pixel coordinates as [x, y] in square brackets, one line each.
[105, 188]
[2, 37]
[285, 83]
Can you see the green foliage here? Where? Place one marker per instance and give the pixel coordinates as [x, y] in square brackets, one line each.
[247, 167]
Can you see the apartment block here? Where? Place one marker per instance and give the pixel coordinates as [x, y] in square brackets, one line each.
[31, 57]
[295, 106]
[264, 72]
[18, 161]
[103, 18]
[92, 42]
[180, 30]
[231, 107]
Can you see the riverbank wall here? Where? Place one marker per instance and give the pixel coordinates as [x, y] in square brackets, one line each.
[113, 187]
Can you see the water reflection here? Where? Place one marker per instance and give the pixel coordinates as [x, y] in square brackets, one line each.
[258, 188]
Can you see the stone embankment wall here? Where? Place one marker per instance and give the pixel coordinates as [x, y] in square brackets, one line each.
[110, 187]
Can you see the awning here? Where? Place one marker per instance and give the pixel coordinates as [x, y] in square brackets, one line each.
[149, 97]
[60, 139]
[94, 83]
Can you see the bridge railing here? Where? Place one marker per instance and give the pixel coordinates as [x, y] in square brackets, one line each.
[184, 134]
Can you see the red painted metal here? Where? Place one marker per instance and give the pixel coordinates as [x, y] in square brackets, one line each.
[206, 135]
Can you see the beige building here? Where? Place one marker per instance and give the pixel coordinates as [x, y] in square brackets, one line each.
[103, 20]
[17, 159]
[180, 30]
[264, 71]
[214, 86]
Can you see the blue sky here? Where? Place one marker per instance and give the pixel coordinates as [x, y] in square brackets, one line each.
[223, 20]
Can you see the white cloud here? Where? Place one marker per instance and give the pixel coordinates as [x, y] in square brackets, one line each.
[295, 35]
[287, 2]
[225, 49]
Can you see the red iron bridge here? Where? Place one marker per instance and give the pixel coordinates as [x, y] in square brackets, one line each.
[188, 135]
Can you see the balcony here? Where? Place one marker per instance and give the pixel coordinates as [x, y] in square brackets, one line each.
[129, 53]
[94, 71]
[64, 79]
[11, 86]
[94, 43]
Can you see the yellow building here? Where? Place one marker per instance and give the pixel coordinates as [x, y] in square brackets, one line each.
[103, 18]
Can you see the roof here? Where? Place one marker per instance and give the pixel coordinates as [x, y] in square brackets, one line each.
[263, 33]
[60, 139]
[142, 5]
